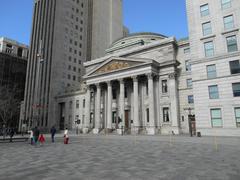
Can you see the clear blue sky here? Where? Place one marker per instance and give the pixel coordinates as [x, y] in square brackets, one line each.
[166, 17]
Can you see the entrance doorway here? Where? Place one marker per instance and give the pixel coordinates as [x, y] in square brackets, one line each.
[126, 119]
[192, 125]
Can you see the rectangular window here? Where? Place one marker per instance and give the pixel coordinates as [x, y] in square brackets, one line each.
[166, 114]
[204, 10]
[228, 22]
[190, 99]
[83, 119]
[146, 88]
[236, 89]
[91, 117]
[226, 4]
[91, 96]
[188, 66]
[211, 71]
[125, 92]
[189, 83]
[209, 49]
[234, 67]
[114, 94]
[186, 50]
[207, 28]
[164, 86]
[216, 117]
[77, 104]
[147, 111]
[84, 102]
[213, 92]
[232, 44]
[114, 117]
[237, 116]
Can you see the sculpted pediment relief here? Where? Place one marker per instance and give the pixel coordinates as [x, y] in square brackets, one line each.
[115, 65]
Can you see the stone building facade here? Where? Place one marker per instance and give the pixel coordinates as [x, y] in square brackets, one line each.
[133, 88]
[65, 34]
[214, 40]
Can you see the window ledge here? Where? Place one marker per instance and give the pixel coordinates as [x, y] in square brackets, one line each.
[165, 95]
[230, 31]
[166, 123]
[207, 37]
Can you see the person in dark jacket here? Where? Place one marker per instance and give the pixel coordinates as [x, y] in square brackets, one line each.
[36, 134]
[12, 132]
[53, 132]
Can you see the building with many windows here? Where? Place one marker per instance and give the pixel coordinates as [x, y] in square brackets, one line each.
[65, 34]
[153, 84]
[13, 65]
[214, 40]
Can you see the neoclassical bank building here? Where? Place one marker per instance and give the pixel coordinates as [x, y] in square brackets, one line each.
[134, 88]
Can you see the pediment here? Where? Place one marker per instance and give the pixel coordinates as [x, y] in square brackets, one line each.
[116, 65]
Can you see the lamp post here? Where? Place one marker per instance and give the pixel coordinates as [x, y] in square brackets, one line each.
[37, 97]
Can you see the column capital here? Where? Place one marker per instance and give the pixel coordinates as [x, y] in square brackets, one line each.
[172, 75]
[157, 77]
[150, 75]
[121, 80]
[87, 87]
[109, 83]
[135, 78]
[98, 85]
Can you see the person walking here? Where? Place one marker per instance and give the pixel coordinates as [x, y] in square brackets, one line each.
[66, 137]
[11, 134]
[41, 139]
[53, 132]
[31, 136]
[36, 133]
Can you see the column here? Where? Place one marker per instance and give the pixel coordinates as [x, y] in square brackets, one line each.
[87, 111]
[151, 129]
[136, 106]
[158, 82]
[122, 102]
[109, 106]
[174, 102]
[97, 110]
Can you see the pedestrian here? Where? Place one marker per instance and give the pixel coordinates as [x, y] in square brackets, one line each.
[66, 137]
[36, 133]
[11, 134]
[41, 139]
[53, 132]
[31, 136]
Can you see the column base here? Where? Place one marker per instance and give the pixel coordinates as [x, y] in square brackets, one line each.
[151, 130]
[85, 130]
[175, 130]
[134, 130]
[96, 131]
[107, 131]
[120, 131]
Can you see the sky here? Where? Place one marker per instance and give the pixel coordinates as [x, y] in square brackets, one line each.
[167, 17]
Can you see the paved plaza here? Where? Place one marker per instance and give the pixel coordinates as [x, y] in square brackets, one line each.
[124, 157]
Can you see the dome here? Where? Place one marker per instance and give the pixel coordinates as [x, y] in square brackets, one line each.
[134, 40]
